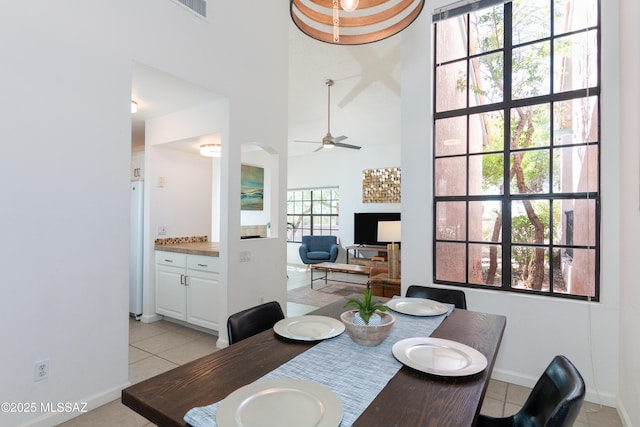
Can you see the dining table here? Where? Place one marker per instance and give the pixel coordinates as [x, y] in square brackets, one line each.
[411, 397]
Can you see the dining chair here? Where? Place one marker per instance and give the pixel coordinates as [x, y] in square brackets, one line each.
[254, 320]
[450, 296]
[555, 400]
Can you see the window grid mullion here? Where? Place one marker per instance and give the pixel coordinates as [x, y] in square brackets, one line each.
[506, 191]
[467, 183]
[551, 146]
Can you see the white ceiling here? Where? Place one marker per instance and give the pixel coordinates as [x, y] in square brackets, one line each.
[365, 99]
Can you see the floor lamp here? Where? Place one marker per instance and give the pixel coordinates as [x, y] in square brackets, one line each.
[391, 231]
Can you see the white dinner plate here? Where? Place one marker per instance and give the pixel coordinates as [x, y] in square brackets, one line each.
[439, 356]
[280, 402]
[309, 328]
[417, 306]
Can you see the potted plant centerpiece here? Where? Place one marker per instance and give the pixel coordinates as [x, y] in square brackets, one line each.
[368, 324]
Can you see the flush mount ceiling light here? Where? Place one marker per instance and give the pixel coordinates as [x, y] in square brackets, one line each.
[352, 22]
[134, 107]
[210, 150]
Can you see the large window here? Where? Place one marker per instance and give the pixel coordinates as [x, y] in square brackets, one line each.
[517, 148]
[312, 212]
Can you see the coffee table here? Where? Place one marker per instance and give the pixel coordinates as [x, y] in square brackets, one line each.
[341, 268]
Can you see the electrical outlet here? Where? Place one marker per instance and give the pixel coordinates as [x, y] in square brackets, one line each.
[41, 370]
[162, 230]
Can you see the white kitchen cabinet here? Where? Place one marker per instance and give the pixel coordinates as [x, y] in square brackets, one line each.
[187, 288]
[202, 290]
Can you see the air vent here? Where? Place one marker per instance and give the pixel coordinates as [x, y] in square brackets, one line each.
[198, 6]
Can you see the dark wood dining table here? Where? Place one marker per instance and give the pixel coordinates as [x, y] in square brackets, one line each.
[411, 398]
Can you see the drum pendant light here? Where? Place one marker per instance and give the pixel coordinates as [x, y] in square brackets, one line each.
[353, 22]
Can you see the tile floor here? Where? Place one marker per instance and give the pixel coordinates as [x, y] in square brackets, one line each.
[157, 347]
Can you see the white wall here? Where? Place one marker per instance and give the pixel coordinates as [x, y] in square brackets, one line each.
[629, 176]
[66, 144]
[66, 139]
[182, 202]
[258, 115]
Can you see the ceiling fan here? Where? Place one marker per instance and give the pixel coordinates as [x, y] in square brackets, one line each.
[329, 141]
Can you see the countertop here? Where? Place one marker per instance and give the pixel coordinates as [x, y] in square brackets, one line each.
[195, 248]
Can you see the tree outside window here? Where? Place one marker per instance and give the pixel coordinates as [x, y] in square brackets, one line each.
[516, 148]
[312, 212]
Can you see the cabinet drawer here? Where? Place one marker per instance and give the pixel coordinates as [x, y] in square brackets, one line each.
[171, 258]
[203, 263]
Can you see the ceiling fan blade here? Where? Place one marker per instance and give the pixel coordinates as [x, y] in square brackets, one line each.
[341, 138]
[309, 142]
[319, 148]
[355, 147]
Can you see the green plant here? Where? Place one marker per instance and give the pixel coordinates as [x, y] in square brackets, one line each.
[365, 305]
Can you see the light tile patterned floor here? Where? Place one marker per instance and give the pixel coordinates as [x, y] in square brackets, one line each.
[157, 347]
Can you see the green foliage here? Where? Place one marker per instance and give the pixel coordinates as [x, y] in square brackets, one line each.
[535, 168]
[492, 171]
[365, 305]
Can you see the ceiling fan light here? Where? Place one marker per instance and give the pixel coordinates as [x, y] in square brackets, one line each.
[210, 150]
[329, 141]
[134, 107]
[349, 5]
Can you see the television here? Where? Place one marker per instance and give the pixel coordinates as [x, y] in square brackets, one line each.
[365, 226]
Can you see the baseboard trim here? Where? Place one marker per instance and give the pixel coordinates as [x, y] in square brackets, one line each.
[150, 318]
[591, 395]
[624, 415]
[92, 402]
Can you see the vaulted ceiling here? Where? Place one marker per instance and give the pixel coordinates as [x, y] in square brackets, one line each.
[365, 99]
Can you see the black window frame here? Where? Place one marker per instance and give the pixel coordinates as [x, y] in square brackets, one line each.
[315, 227]
[506, 106]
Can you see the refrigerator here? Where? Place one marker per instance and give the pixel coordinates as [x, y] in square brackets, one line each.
[136, 250]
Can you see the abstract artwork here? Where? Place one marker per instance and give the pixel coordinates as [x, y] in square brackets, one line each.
[381, 185]
[251, 188]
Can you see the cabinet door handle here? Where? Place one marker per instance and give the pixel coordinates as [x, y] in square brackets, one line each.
[168, 260]
[182, 279]
[186, 280]
[202, 265]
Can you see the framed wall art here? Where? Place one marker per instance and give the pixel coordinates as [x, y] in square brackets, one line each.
[251, 188]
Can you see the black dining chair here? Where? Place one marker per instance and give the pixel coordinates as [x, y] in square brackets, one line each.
[449, 296]
[555, 400]
[254, 320]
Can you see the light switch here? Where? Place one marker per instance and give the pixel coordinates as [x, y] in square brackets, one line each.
[161, 181]
[245, 256]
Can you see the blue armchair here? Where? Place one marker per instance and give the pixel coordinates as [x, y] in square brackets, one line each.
[317, 249]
